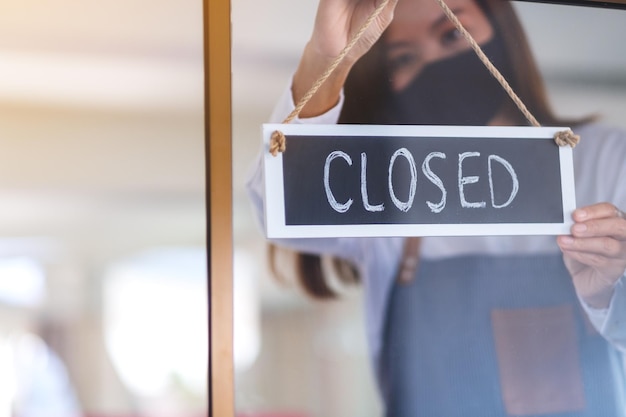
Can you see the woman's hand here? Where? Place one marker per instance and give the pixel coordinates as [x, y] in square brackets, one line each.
[337, 21]
[595, 252]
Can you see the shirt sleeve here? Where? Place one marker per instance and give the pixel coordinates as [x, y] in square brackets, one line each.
[347, 248]
[285, 106]
[601, 156]
[611, 322]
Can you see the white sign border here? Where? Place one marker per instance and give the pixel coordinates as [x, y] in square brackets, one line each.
[276, 227]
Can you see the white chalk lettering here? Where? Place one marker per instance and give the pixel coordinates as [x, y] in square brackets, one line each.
[364, 196]
[467, 180]
[434, 178]
[341, 208]
[403, 205]
[511, 171]
[435, 207]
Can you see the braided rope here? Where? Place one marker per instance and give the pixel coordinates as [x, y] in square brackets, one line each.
[278, 140]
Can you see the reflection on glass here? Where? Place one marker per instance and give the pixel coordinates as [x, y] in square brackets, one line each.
[478, 306]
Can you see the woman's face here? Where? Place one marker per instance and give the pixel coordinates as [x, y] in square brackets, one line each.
[420, 34]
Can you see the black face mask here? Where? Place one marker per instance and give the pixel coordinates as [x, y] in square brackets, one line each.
[458, 90]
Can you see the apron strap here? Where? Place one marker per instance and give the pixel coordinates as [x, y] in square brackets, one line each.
[410, 260]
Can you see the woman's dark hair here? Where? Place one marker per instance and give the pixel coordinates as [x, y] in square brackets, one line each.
[311, 275]
[368, 85]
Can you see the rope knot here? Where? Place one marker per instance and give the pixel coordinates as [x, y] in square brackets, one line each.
[278, 142]
[566, 138]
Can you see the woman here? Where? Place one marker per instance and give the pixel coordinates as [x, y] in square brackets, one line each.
[487, 326]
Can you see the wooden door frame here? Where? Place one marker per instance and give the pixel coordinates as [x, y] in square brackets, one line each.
[218, 150]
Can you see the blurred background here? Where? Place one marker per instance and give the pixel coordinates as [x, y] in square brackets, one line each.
[102, 215]
[298, 358]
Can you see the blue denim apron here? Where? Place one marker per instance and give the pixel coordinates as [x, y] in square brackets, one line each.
[496, 336]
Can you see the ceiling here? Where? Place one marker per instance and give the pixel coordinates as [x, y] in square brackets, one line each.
[101, 124]
[102, 52]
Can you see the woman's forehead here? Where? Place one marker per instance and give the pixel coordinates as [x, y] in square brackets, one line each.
[418, 17]
[424, 11]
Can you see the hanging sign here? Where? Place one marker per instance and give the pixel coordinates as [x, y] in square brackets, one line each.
[366, 180]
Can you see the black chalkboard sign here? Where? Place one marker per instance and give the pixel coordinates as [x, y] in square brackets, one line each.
[358, 180]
